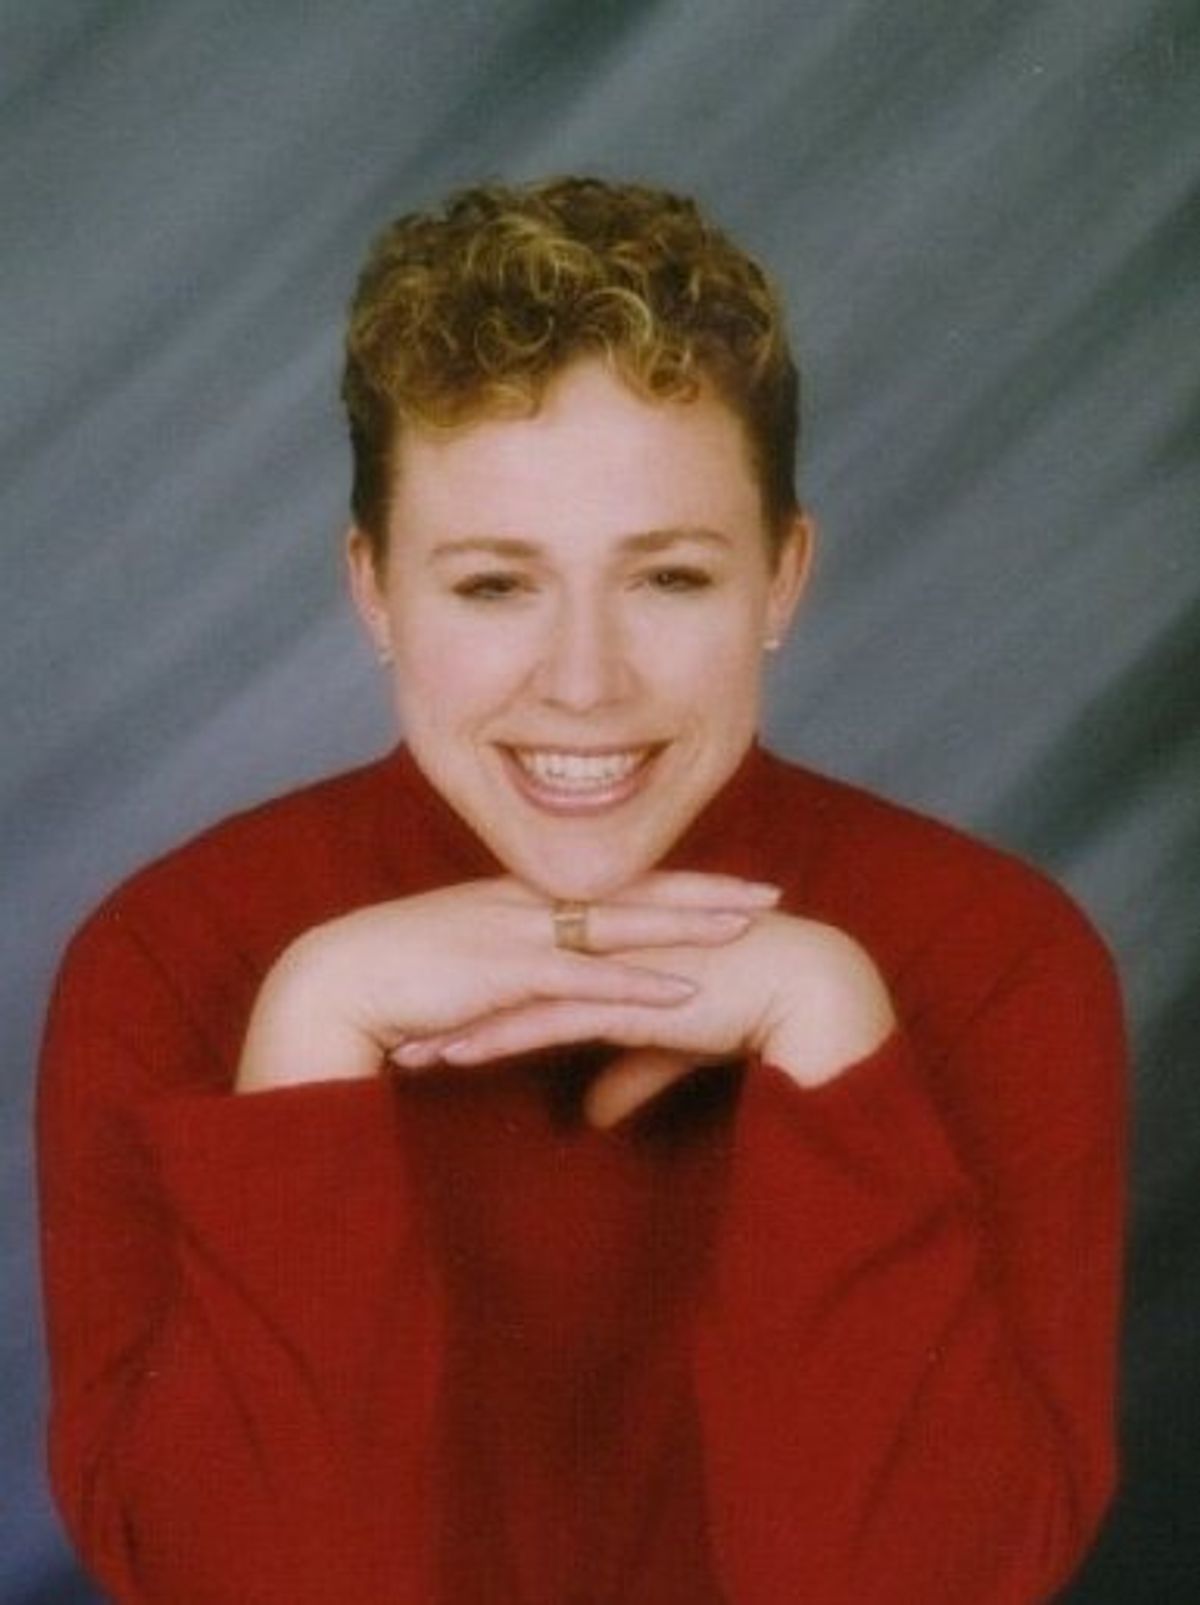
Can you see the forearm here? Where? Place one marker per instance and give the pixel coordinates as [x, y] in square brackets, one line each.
[270, 1419]
[875, 1427]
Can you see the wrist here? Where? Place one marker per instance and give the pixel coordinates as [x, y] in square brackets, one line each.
[297, 1033]
[842, 1014]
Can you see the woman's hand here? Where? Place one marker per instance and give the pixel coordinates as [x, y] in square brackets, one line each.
[801, 995]
[349, 993]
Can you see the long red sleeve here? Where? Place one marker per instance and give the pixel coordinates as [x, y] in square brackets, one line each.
[233, 1375]
[906, 1365]
[884, 1418]
[441, 1342]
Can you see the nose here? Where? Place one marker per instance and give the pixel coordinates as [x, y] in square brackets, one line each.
[584, 663]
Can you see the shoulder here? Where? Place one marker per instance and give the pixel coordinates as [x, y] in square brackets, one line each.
[1005, 989]
[153, 988]
[252, 878]
[908, 883]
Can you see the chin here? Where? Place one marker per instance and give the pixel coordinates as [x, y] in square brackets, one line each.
[579, 882]
[576, 870]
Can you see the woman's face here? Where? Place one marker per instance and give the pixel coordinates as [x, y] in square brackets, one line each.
[576, 605]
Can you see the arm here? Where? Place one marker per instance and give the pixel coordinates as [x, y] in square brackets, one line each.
[906, 1369]
[244, 1326]
[216, 1271]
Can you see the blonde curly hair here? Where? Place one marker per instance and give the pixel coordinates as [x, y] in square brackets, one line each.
[471, 311]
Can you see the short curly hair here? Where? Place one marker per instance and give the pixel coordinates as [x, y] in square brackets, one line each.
[471, 310]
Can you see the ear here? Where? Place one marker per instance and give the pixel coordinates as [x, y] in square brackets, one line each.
[366, 591]
[793, 564]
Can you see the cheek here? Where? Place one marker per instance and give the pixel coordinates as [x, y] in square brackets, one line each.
[444, 674]
[724, 653]
[721, 687]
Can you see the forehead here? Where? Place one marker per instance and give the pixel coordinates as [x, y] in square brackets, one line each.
[595, 456]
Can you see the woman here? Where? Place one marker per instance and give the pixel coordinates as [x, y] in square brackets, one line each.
[580, 1157]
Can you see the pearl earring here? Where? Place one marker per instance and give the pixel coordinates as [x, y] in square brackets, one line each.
[772, 643]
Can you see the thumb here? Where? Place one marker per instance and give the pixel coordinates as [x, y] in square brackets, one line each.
[631, 1081]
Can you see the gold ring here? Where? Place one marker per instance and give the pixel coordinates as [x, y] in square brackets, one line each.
[570, 926]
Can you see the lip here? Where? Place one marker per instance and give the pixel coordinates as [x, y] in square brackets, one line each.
[560, 800]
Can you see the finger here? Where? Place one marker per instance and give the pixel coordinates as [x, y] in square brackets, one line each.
[599, 980]
[691, 888]
[577, 987]
[631, 1081]
[619, 927]
[535, 1026]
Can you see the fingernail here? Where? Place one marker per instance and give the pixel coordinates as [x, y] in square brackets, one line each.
[459, 1051]
[734, 924]
[411, 1056]
[764, 892]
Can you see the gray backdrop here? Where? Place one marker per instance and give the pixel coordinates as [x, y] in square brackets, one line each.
[984, 216]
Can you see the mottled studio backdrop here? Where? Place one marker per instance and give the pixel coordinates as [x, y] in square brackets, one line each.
[985, 217]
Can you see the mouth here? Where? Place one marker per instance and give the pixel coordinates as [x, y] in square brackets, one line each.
[564, 780]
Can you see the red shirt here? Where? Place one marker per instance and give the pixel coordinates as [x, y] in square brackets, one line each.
[406, 1341]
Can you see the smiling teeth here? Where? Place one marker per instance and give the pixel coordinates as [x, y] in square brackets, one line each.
[577, 771]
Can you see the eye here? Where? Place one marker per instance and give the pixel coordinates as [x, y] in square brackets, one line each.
[490, 587]
[678, 578]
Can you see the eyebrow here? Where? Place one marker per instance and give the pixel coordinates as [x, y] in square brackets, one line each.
[645, 541]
